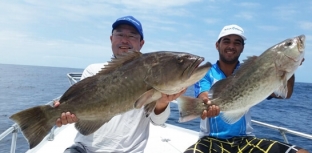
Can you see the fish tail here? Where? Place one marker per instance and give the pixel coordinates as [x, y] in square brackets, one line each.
[190, 108]
[34, 123]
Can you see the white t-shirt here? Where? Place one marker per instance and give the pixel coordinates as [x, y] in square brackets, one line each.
[126, 132]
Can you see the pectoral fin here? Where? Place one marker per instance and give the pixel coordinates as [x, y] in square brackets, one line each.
[87, 127]
[282, 90]
[231, 117]
[146, 98]
[149, 108]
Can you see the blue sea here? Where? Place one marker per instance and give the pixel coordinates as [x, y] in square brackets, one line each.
[23, 86]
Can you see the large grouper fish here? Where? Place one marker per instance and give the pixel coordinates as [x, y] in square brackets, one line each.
[256, 79]
[132, 80]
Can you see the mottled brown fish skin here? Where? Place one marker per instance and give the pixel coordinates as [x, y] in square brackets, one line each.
[127, 81]
[256, 79]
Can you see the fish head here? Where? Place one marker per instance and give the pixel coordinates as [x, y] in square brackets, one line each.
[290, 54]
[175, 71]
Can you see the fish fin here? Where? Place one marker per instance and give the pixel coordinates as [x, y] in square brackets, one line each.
[190, 108]
[109, 67]
[231, 117]
[219, 86]
[146, 98]
[249, 62]
[34, 123]
[119, 61]
[282, 90]
[87, 127]
[149, 108]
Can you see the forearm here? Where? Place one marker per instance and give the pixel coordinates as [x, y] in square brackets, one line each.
[203, 95]
[290, 86]
[160, 107]
[160, 118]
[162, 110]
[163, 102]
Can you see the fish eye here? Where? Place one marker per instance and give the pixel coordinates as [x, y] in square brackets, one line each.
[288, 43]
[180, 60]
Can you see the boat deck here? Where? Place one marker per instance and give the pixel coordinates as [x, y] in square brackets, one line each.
[165, 139]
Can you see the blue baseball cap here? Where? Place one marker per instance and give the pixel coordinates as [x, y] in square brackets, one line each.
[130, 20]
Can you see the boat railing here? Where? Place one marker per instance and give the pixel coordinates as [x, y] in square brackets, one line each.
[282, 130]
[75, 77]
[14, 129]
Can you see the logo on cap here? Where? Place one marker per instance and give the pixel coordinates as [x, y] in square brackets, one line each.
[130, 20]
[232, 30]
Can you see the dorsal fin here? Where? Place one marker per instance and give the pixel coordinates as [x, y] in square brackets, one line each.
[109, 67]
[119, 61]
[246, 63]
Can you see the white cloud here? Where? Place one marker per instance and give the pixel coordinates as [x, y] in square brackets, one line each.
[153, 4]
[211, 20]
[76, 33]
[245, 15]
[306, 25]
[285, 12]
[249, 5]
[24, 47]
[15, 13]
[269, 27]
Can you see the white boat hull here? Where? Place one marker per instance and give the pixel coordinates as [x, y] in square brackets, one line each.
[168, 139]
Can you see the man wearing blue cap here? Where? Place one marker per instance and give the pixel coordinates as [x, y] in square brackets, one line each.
[216, 135]
[127, 132]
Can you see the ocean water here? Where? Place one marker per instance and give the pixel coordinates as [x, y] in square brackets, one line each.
[23, 86]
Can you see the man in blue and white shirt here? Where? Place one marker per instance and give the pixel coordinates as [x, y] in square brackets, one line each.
[215, 134]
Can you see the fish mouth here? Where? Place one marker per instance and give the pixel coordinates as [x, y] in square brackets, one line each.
[195, 65]
[301, 40]
[291, 58]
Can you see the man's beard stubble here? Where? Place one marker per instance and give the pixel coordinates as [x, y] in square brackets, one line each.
[232, 61]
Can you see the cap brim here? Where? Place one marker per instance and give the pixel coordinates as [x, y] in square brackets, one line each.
[117, 23]
[243, 37]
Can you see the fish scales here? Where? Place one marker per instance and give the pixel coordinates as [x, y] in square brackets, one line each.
[130, 81]
[256, 79]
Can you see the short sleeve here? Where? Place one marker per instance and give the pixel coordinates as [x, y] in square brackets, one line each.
[92, 70]
[202, 85]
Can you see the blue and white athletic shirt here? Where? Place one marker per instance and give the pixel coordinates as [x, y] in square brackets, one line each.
[215, 126]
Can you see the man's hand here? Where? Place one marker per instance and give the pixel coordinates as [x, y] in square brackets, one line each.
[302, 61]
[162, 103]
[65, 118]
[212, 110]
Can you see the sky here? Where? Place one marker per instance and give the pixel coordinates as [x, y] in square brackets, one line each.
[75, 33]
